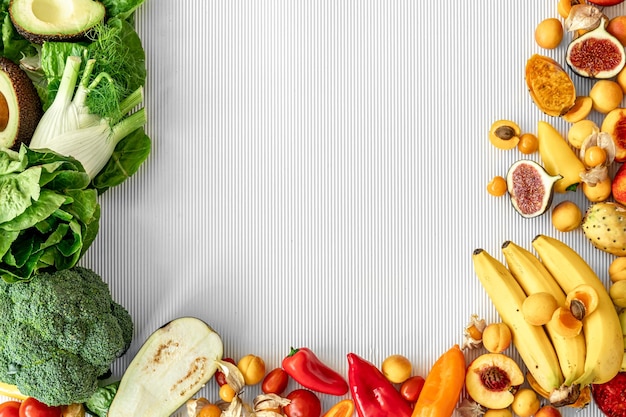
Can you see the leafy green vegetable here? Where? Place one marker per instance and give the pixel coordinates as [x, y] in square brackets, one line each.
[49, 214]
[98, 404]
[60, 332]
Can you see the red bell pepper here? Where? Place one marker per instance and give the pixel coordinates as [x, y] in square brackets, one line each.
[372, 393]
[307, 369]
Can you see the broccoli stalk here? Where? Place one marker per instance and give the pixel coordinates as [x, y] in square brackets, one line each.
[69, 128]
[61, 333]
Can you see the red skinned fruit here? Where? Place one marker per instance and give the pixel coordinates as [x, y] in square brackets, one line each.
[220, 378]
[304, 403]
[614, 123]
[610, 397]
[618, 185]
[605, 2]
[275, 382]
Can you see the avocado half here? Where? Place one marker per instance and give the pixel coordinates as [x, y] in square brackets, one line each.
[55, 20]
[20, 106]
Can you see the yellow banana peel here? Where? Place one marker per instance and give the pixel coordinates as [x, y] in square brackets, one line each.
[602, 329]
[10, 390]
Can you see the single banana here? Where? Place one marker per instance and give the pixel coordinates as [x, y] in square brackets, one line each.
[532, 342]
[603, 334]
[533, 277]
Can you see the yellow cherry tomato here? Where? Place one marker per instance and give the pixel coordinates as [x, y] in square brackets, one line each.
[253, 369]
[344, 408]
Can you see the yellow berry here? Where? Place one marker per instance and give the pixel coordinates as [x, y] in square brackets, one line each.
[497, 186]
[528, 143]
[226, 393]
[594, 156]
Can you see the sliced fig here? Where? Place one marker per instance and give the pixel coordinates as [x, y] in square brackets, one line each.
[596, 54]
[610, 397]
[530, 187]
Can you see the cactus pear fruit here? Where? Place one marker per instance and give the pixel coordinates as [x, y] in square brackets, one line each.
[604, 225]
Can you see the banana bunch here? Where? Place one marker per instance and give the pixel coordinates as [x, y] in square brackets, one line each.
[581, 343]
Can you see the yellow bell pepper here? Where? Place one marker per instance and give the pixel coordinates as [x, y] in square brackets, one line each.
[559, 158]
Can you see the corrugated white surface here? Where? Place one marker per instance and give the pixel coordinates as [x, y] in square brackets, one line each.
[318, 173]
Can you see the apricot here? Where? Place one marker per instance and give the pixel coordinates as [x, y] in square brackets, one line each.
[497, 337]
[566, 216]
[525, 403]
[538, 308]
[549, 33]
[617, 269]
[565, 323]
[580, 110]
[504, 134]
[582, 301]
[617, 291]
[581, 130]
[606, 95]
[601, 191]
[617, 28]
[504, 412]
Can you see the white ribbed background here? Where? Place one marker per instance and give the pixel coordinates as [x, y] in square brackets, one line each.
[318, 173]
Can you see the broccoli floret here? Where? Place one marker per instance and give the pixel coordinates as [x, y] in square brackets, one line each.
[60, 332]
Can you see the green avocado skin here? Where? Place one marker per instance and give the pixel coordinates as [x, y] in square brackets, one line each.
[26, 22]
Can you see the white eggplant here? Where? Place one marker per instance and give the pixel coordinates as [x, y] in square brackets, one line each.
[174, 363]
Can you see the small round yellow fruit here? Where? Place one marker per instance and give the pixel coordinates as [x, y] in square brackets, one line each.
[606, 95]
[503, 412]
[525, 403]
[538, 308]
[497, 337]
[549, 33]
[397, 368]
[566, 216]
[581, 130]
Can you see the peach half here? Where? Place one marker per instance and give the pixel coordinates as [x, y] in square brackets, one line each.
[614, 123]
[492, 378]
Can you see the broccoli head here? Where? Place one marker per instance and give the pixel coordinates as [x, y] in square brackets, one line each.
[61, 332]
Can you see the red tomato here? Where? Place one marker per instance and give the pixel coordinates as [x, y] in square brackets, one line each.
[220, 378]
[304, 403]
[10, 409]
[275, 382]
[30, 407]
[411, 388]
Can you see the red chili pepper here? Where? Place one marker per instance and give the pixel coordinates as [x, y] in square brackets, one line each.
[373, 394]
[306, 368]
